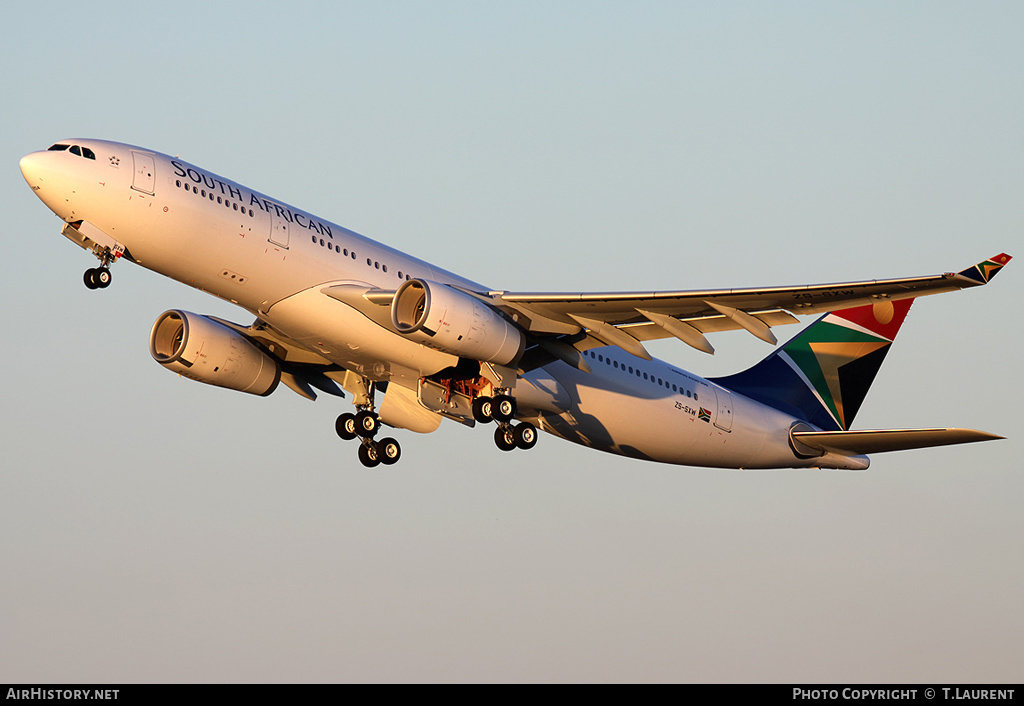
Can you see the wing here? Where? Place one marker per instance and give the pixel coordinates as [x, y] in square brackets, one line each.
[625, 319]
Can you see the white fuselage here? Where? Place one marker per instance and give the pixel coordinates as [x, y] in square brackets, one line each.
[273, 259]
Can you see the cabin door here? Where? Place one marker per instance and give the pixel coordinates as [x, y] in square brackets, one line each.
[278, 230]
[723, 417]
[144, 176]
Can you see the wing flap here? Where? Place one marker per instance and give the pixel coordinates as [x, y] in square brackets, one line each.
[871, 441]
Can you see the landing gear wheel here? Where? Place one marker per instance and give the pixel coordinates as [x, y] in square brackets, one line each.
[346, 426]
[503, 408]
[388, 451]
[369, 456]
[482, 409]
[504, 438]
[367, 424]
[525, 435]
[90, 278]
[102, 277]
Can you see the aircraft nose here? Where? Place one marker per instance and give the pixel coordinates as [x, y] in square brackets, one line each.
[26, 167]
[48, 180]
[31, 169]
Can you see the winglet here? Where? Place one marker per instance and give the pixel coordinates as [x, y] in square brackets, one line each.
[984, 271]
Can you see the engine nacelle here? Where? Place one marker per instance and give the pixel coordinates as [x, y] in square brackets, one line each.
[201, 349]
[451, 321]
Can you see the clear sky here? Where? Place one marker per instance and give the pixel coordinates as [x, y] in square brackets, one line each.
[154, 529]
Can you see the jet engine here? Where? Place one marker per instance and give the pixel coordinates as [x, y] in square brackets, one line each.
[451, 321]
[202, 349]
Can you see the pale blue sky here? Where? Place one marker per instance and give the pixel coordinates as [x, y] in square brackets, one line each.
[153, 529]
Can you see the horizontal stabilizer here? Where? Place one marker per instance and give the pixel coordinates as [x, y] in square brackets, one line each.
[871, 441]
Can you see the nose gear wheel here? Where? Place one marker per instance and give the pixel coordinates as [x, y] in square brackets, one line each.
[97, 278]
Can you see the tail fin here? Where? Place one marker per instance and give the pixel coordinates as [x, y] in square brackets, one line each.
[823, 375]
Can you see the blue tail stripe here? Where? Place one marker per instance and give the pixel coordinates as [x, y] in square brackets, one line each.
[774, 383]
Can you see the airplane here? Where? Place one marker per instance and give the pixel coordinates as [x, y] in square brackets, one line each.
[336, 312]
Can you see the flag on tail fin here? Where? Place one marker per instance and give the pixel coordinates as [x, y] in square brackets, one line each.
[824, 373]
[984, 271]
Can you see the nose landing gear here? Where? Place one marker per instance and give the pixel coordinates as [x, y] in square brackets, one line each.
[98, 277]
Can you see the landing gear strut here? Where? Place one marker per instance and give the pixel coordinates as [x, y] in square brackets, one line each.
[364, 425]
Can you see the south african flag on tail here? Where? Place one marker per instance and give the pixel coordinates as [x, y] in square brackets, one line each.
[984, 271]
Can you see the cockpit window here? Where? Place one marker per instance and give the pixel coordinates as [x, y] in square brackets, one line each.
[74, 149]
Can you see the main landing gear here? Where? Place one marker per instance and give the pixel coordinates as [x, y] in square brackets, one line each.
[502, 409]
[364, 425]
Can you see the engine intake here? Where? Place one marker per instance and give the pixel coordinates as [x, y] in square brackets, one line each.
[452, 321]
[204, 350]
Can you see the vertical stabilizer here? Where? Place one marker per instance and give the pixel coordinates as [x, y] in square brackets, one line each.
[824, 373]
